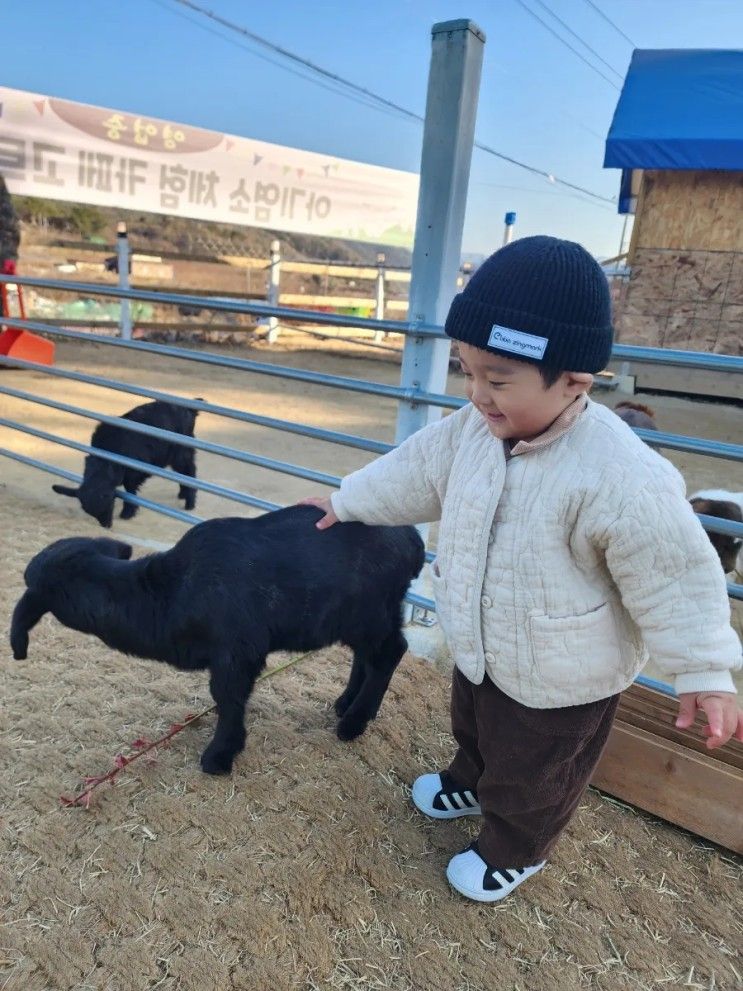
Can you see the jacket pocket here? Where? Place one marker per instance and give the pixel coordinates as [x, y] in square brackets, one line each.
[576, 649]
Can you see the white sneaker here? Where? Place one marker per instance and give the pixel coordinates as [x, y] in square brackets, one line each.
[440, 797]
[474, 878]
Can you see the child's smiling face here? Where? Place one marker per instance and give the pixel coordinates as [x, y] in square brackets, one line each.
[511, 395]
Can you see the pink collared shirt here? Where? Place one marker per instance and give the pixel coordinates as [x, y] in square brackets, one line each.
[556, 429]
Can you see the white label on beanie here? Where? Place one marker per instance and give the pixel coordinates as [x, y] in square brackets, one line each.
[516, 341]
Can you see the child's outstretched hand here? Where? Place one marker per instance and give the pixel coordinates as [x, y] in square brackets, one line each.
[324, 503]
[723, 715]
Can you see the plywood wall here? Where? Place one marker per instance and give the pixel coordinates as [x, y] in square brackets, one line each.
[693, 211]
[686, 259]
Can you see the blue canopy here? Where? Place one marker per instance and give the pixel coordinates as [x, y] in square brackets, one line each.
[679, 109]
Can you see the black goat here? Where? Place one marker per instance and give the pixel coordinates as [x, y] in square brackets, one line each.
[230, 592]
[101, 477]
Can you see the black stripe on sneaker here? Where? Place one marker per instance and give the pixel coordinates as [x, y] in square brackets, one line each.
[452, 797]
[497, 878]
[491, 882]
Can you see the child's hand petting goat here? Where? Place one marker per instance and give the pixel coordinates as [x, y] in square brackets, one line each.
[324, 503]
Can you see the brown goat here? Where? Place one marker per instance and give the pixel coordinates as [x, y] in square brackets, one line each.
[725, 506]
[636, 415]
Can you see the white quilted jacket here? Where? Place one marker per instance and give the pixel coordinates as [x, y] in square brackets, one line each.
[562, 570]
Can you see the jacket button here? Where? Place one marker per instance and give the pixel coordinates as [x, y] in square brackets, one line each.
[489, 658]
[486, 601]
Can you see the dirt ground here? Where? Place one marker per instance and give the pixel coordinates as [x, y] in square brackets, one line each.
[308, 868]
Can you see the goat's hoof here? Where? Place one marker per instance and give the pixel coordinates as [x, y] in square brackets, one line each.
[216, 762]
[342, 703]
[349, 729]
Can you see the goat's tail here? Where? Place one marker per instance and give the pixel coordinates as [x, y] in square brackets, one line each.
[26, 615]
[66, 490]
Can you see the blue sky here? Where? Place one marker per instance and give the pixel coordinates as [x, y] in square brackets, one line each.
[538, 101]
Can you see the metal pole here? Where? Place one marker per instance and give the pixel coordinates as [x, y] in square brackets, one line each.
[448, 137]
[508, 232]
[122, 263]
[273, 290]
[379, 307]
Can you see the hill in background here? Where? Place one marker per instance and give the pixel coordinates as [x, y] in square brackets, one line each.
[159, 234]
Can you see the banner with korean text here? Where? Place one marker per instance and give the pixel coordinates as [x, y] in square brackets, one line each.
[57, 149]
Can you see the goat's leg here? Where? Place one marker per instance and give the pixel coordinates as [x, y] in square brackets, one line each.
[355, 681]
[379, 666]
[184, 461]
[231, 683]
[133, 480]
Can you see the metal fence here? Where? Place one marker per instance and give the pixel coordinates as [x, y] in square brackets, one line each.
[409, 393]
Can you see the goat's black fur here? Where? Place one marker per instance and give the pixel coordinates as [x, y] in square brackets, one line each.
[230, 592]
[101, 477]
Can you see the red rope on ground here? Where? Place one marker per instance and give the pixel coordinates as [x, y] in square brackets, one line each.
[142, 745]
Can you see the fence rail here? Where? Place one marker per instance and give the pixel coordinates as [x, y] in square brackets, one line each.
[256, 460]
[677, 442]
[202, 406]
[410, 395]
[144, 466]
[623, 352]
[247, 307]
[70, 476]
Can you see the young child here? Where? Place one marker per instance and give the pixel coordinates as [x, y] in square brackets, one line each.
[567, 555]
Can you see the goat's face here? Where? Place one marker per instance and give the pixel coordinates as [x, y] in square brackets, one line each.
[727, 548]
[97, 492]
[98, 502]
[96, 498]
[64, 571]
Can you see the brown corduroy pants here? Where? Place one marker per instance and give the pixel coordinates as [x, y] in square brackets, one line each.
[528, 766]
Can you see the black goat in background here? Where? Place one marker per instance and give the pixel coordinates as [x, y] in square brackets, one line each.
[101, 477]
[230, 592]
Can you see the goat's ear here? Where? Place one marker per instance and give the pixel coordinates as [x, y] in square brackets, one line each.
[65, 490]
[114, 548]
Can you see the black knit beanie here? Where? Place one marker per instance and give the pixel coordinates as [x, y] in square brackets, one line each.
[540, 299]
